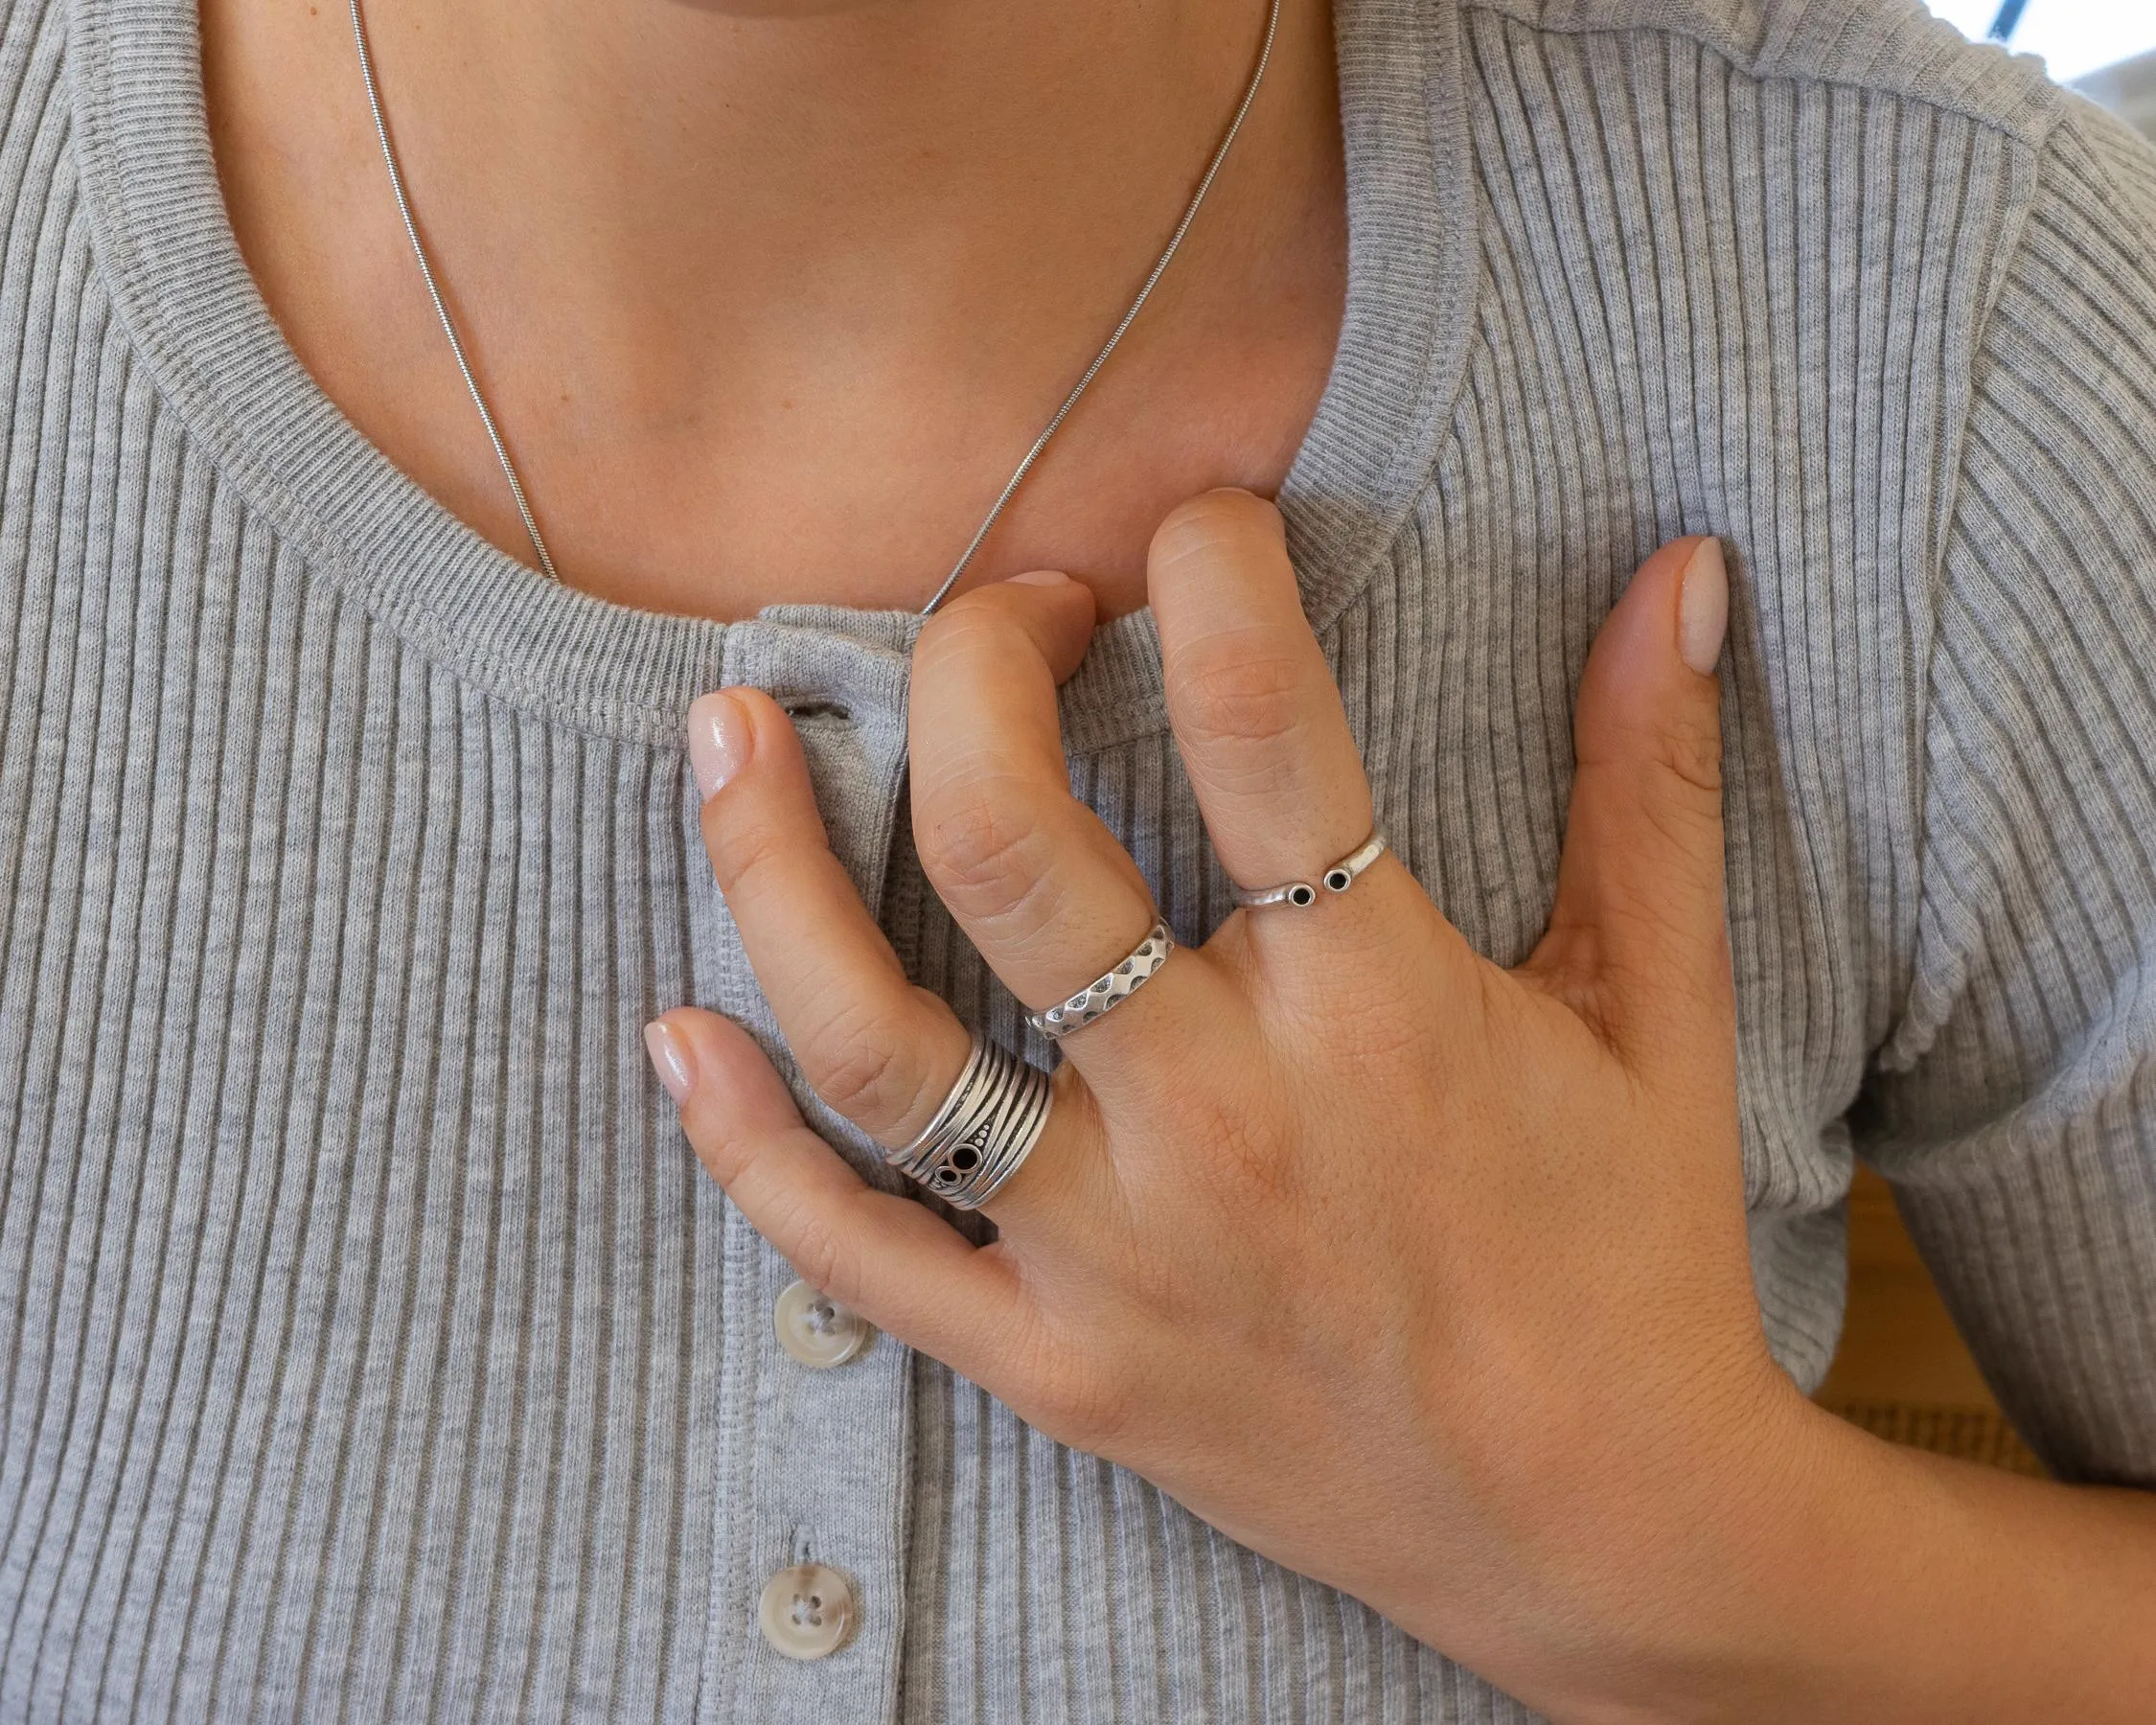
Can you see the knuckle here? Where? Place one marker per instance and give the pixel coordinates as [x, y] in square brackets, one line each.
[986, 859]
[1689, 750]
[812, 1247]
[1670, 769]
[1681, 741]
[742, 847]
[864, 1066]
[725, 1151]
[1234, 690]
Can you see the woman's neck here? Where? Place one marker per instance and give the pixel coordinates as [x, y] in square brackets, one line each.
[768, 306]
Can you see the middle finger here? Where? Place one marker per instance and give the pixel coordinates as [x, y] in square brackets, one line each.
[1038, 884]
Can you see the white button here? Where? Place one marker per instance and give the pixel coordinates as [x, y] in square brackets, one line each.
[806, 1611]
[817, 1331]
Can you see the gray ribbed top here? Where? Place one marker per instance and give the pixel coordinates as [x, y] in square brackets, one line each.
[370, 1344]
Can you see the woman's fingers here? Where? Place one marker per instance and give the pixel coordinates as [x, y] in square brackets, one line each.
[1038, 884]
[1256, 713]
[893, 1261]
[1638, 937]
[879, 1050]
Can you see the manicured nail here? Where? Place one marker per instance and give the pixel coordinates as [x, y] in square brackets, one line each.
[669, 1050]
[1703, 606]
[719, 741]
[1042, 578]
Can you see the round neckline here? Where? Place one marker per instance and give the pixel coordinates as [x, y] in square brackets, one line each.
[168, 257]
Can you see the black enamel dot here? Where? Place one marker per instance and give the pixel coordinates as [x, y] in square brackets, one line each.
[1338, 880]
[1302, 893]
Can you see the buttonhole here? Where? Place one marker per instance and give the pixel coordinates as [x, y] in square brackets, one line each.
[804, 707]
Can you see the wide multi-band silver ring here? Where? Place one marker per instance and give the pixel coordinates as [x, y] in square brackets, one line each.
[1337, 878]
[988, 1125]
[998, 1106]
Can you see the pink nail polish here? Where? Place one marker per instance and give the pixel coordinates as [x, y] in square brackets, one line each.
[719, 741]
[1703, 606]
[669, 1050]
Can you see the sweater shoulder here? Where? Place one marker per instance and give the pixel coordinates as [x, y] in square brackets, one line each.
[1894, 47]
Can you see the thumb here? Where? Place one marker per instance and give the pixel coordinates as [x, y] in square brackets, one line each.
[1637, 941]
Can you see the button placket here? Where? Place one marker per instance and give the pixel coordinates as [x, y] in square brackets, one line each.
[813, 1476]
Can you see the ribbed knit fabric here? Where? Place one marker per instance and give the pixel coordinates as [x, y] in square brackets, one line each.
[370, 1346]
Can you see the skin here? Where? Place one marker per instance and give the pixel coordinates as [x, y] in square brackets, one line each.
[728, 273]
[769, 306]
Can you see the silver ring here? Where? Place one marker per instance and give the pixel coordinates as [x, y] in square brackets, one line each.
[1106, 992]
[986, 1127]
[1339, 878]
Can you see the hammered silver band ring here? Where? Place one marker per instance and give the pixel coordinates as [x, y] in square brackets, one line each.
[1339, 878]
[987, 1125]
[1107, 991]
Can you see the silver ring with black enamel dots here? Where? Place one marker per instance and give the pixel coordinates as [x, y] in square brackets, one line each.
[1339, 878]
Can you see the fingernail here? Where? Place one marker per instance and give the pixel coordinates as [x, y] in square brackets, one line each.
[1042, 578]
[719, 741]
[1703, 606]
[669, 1050]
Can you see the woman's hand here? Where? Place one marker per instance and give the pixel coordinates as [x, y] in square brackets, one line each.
[1424, 1277]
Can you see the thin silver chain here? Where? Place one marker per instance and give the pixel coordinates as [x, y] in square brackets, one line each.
[441, 308]
[1019, 474]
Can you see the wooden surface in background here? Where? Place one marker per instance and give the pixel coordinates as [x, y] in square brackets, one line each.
[1902, 1369]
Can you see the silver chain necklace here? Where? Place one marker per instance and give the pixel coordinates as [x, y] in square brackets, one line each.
[1019, 474]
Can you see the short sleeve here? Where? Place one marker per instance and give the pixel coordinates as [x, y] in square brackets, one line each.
[2013, 1108]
